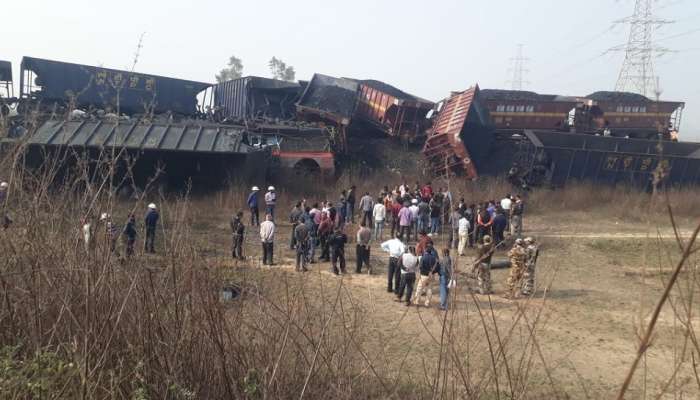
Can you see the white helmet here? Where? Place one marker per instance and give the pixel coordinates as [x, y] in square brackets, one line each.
[152, 206]
[4, 185]
[104, 216]
[271, 188]
[255, 189]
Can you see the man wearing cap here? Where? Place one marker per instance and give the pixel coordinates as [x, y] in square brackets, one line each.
[414, 218]
[531, 252]
[517, 257]
[151, 222]
[483, 265]
[237, 231]
[270, 201]
[516, 217]
[253, 206]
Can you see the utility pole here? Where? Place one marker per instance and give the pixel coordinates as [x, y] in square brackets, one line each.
[637, 72]
[518, 69]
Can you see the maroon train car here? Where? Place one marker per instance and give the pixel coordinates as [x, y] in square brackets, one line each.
[634, 115]
[518, 109]
[391, 110]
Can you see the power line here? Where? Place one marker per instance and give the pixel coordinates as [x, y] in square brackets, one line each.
[518, 69]
[637, 72]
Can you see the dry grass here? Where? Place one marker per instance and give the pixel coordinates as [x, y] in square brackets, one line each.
[79, 324]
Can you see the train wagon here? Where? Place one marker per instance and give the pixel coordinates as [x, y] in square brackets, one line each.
[636, 116]
[461, 137]
[518, 109]
[49, 82]
[392, 111]
[253, 97]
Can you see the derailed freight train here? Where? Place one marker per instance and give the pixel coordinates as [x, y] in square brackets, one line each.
[469, 139]
[51, 83]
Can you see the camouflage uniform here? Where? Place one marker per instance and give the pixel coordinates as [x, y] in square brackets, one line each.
[517, 257]
[483, 272]
[531, 261]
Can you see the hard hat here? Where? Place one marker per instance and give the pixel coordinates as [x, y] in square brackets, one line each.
[414, 201]
[152, 206]
[255, 188]
[104, 216]
[3, 185]
[487, 239]
[529, 240]
[271, 188]
[519, 242]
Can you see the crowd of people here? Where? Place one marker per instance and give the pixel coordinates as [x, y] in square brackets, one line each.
[405, 215]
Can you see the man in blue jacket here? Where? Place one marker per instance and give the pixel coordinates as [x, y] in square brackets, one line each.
[253, 206]
[151, 222]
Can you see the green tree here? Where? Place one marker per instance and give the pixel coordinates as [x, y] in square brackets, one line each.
[234, 70]
[280, 70]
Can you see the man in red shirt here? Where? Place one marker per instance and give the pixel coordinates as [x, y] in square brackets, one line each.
[395, 209]
[423, 241]
[427, 192]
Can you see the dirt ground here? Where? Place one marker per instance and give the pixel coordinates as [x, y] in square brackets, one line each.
[596, 279]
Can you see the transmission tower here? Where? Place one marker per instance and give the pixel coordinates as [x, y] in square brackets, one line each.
[637, 72]
[137, 53]
[518, 70]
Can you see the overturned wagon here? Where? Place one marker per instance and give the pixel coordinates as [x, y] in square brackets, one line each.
[49, 82]
[392, 111]
[206, 154]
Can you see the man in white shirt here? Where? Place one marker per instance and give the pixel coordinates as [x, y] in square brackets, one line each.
[379, 214]
[463, 235]
[271, 201]
[395, 248]
[505, 205]
[414, 219]
[267, 236]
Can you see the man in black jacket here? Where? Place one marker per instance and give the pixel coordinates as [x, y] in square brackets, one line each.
[151, 221]
[237, 230]
[337, 243]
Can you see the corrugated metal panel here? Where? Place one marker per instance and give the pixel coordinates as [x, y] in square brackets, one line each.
[141, 136]
[252, 97]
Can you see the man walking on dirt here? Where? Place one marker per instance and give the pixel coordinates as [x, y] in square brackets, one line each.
[483, 265]
[405, 222]
[252, 203]
[267, 237]
[364, 235]
[294, 217]
[352, 197]
[396, 249]
[516, 219]
[151, 221]
[337, 242]
[517, 258]
[301, 236]
[237, 230]
[366, 205]
[531, 252]
[271, 201]
[379, 215]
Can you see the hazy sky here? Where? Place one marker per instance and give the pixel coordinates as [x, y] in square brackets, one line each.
[425, 48]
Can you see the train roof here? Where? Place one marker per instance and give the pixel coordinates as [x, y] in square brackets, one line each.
[521, 95]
